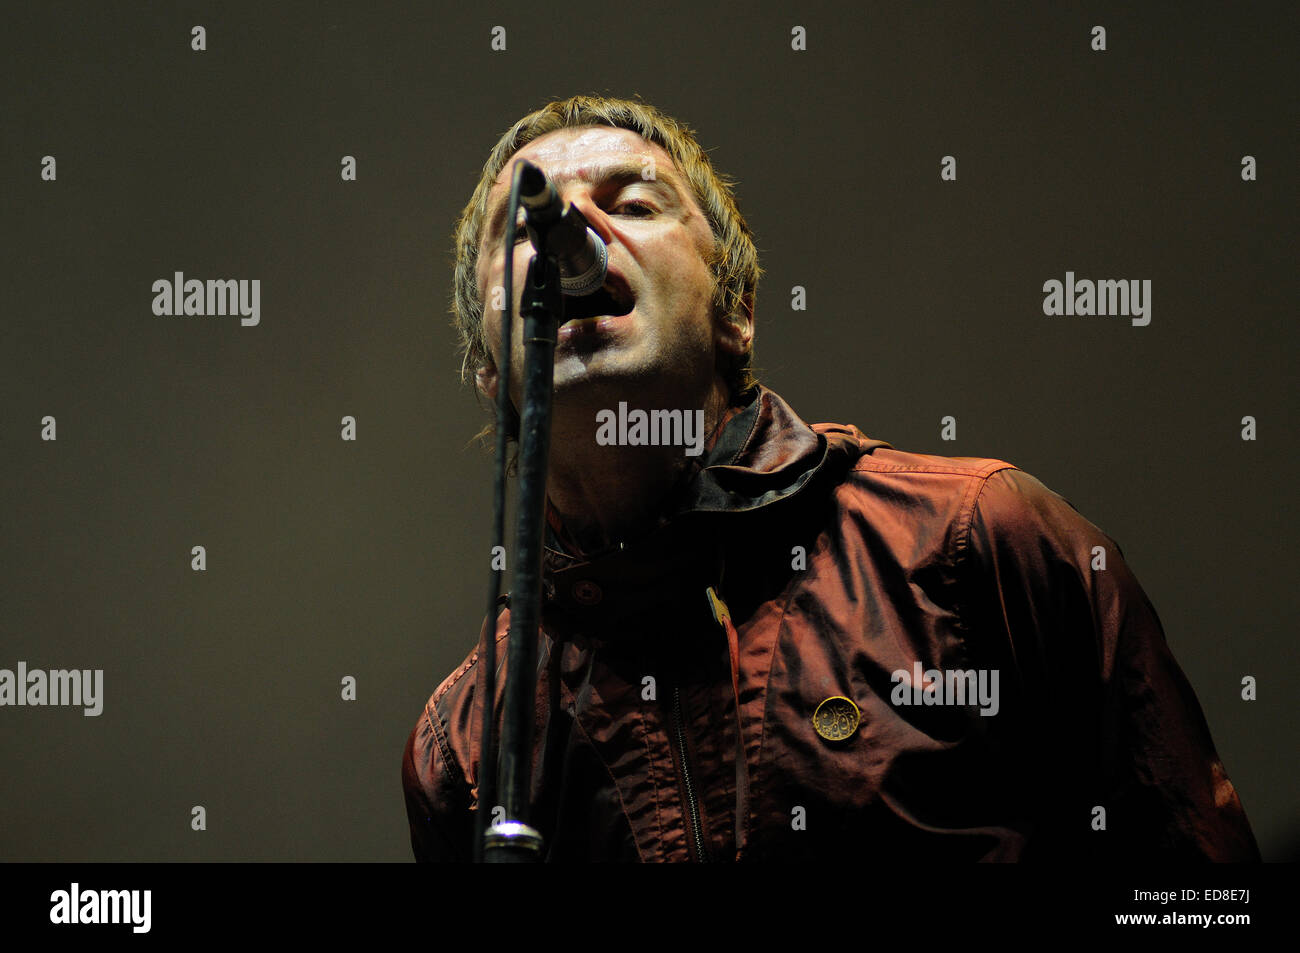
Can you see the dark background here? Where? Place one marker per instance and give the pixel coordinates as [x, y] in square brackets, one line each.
[327, 558]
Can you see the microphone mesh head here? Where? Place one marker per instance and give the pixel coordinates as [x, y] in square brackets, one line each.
[590, 280]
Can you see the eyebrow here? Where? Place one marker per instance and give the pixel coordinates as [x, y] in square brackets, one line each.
[616, 173]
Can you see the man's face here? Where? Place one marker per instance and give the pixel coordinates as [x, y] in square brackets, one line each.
[658, 239]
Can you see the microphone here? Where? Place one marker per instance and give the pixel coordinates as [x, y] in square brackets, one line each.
[564, 233]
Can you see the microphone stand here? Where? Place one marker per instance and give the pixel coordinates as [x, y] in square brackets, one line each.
[512, 840]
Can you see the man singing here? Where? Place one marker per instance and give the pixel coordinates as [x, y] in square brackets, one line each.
[765, 640]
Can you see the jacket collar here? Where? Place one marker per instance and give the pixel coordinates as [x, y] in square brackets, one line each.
[764, 456]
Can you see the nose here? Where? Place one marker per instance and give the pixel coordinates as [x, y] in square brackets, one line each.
[580, 196]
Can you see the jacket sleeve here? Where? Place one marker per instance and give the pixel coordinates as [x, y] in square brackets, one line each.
[1111, 719]
[437, 795]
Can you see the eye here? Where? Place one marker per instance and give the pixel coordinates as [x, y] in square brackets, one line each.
[635, 207]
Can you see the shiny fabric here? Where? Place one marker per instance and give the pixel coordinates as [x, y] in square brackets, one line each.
[839, 561]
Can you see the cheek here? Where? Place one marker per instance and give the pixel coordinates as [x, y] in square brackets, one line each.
[495, 279]
[693, 286]
[683, 270]
[491, 280]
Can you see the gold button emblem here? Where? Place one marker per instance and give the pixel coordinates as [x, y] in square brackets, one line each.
[836, 718]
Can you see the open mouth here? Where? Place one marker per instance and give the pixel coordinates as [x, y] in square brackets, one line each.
[612, 300]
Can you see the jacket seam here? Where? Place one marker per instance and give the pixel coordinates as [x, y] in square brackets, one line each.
[753, 429]
[962, 547]
[444, 748]
[577, 723]
[465, 667]
[455, 678]
[756, 785]
[654, 787]
[867, 464]
[962, 557]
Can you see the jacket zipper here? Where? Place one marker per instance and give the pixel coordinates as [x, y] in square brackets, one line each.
[693, 808]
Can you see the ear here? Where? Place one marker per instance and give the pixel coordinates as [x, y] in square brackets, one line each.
[735, 331]
[485, 378]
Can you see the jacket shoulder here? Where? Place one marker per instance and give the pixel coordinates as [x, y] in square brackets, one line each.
[968, 513]
[914, 489]
[872, 455]
[446, 727]
[439, 764]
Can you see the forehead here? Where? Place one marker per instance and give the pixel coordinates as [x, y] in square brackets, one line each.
[582, 151]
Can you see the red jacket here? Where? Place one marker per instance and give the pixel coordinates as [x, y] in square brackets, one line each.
[844, 569]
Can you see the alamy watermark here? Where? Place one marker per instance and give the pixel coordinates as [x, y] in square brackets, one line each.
[216, 296]
[74, 905]
[949, 687]
[1106, 296]
[58, 686]
[655, 428]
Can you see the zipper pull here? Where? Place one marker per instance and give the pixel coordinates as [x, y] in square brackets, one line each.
[721, 614]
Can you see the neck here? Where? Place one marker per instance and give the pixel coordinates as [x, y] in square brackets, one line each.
[606, 494]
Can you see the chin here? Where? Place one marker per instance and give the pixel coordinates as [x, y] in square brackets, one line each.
[595, 375]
